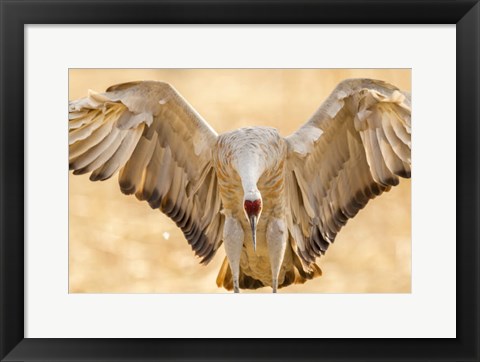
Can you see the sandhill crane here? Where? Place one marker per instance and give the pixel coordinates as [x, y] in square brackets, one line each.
[276, 203]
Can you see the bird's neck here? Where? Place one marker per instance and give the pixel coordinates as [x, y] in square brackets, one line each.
[249, 170]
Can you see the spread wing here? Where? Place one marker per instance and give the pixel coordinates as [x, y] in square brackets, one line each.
[355, 146]
[162, 149]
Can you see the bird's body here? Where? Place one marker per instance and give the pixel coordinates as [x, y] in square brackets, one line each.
[275, 203]
[251, 159]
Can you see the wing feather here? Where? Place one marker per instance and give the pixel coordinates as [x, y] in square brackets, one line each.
[121, 155]
[161, 148]
[103, 133]
[96, 156]
[131, 175]
[355, 147]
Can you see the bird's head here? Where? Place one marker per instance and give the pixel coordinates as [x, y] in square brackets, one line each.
[252, 205]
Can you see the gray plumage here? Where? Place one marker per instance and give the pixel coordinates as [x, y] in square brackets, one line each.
[353, 148]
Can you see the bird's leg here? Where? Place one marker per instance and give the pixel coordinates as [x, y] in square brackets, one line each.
[274, 283]
[277, 242]
[233, 241]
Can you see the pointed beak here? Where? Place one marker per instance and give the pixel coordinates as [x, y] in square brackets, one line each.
[253, 210]
[253, 225]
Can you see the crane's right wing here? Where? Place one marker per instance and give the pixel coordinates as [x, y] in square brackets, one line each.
[162, 149]
[355, 147]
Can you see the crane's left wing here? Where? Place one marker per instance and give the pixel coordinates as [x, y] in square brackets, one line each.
[162, 149]
[352, 149]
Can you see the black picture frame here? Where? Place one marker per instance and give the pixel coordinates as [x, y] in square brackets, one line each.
[16, 14]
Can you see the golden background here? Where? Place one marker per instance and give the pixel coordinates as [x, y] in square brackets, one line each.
[119, 245]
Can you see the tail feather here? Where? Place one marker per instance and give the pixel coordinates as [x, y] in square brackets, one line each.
[296, 275]
[302, 275]
[224, 277]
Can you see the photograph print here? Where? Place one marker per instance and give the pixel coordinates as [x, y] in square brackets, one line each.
[239, 180]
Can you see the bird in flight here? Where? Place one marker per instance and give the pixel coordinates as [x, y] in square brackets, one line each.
[276, 203]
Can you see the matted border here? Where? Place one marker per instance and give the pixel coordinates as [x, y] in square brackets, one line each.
[15, 14]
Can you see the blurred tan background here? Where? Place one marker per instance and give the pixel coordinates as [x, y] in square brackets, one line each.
[119, 245]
